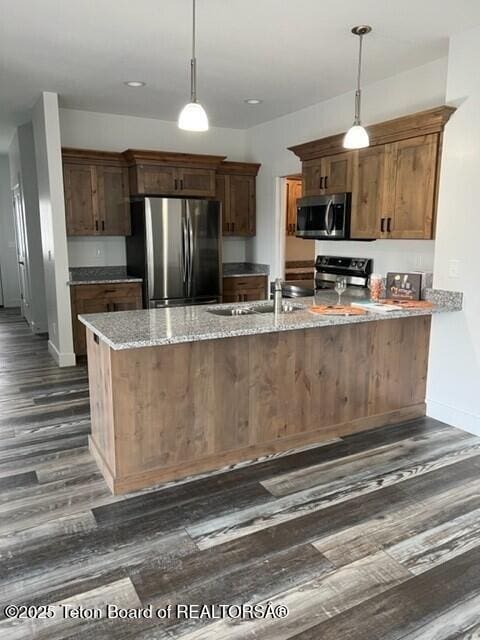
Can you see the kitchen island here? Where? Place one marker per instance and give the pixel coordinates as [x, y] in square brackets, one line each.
[182, 391]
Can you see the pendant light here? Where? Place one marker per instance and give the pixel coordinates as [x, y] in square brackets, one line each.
[193, 116]
[357, 136]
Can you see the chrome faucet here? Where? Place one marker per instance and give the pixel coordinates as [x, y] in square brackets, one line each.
[278, 297]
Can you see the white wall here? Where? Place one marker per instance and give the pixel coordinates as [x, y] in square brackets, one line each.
[388, 255]
[411, 91]
[110, 132]
[454, 369]
[8, 252]
[48, 158]
[23, 173]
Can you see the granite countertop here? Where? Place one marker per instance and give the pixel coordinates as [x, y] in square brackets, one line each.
[156, 327]
[240, 269]
[100, 275]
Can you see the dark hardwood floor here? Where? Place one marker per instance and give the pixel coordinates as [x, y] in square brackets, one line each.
[372, 537]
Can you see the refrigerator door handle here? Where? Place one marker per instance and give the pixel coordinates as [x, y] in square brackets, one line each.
[184, 249]
[191, 248]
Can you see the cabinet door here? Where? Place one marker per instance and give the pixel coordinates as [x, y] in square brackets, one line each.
[410, 204]
[337, 173]
[294, 192]
[79, 306]
[80, 199]
[113, 201]
[312, 175]
[196, 182]
[241, 195]
[155, 180]
[367, 192]
[222, 193]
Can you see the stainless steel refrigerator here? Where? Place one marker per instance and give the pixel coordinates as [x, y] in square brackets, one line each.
[175, 247]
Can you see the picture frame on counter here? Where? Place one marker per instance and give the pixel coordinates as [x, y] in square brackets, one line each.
[404, 286]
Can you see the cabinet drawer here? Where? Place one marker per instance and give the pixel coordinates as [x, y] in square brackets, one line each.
[248, 282]
[106, 291]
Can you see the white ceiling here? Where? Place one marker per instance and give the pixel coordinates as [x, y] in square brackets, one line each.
[290, 54]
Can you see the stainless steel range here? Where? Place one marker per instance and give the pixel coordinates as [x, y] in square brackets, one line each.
[327, 269]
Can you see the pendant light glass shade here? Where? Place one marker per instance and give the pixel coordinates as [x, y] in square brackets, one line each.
[357, 136]
[193, 117]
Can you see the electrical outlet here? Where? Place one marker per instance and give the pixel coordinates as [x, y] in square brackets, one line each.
[454, 268]
[99, 253]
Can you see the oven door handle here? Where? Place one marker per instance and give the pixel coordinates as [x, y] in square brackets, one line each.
[329, 218]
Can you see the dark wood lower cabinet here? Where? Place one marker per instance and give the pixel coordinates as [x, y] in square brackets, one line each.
[100, 298]
[166, 412]
[245, 289]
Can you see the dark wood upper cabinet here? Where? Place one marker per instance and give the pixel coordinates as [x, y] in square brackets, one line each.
[96, 193]
[394, 182]
[80, 205]
[332, 174]
[165, 173]
[367, 192]
[236, 189]
[98, 186]
[113, 200]
[146, 179]
[409, 199]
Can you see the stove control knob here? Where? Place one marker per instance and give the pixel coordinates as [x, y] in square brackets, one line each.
[354, 264]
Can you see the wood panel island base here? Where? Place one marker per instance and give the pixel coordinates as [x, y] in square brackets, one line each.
[165, 412]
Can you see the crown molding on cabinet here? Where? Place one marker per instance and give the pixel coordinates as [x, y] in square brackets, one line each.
[170, 158]
[238, 168]
[410, 126]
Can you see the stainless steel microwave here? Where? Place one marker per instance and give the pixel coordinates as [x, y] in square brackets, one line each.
[324, 217]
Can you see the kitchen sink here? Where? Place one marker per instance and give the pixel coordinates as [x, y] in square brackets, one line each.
[288, 307]
[232, 312]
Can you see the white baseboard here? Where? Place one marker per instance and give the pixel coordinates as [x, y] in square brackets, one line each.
[455, 417]
[62, 359]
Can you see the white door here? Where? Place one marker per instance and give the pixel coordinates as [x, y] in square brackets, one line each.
[22, 252]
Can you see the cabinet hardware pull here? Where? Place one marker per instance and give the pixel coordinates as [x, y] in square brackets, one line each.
[326, 182]
[181, 184]
[176, 184]
[103, 225]
[321, 182]
[389, 220]
[233, 227]
[382, 225]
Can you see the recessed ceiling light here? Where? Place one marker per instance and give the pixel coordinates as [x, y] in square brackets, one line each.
[253, 101]
[135, 83]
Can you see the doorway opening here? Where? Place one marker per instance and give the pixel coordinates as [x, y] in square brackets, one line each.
[299, 254]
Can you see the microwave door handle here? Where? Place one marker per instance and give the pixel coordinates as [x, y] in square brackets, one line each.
[329, 218]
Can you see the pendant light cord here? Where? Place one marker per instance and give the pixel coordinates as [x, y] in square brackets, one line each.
[193, 61]
[358, 92]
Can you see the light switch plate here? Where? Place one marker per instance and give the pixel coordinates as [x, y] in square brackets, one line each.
[454, 268]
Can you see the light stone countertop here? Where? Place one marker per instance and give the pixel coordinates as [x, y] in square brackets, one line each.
[157, 327]
[242, 269]
[100, 275]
